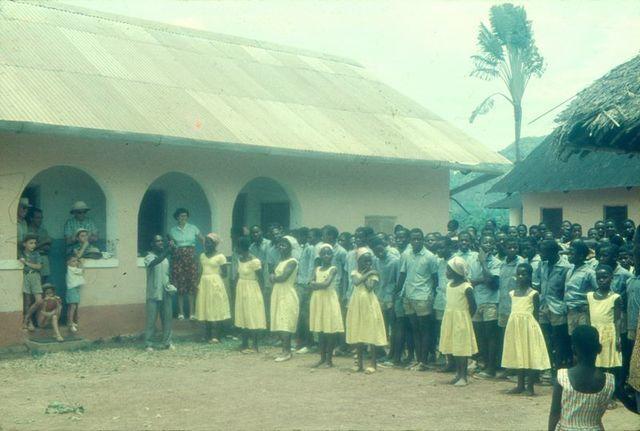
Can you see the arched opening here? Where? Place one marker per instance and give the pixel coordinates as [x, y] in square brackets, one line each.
[55, 191]
[263, 201]
[167, 193]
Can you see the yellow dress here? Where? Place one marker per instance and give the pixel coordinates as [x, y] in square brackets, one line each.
[365, 323]
[325, 315]
[212, 301]
[285, 305]
[524, 346]
[602, 317]
[456, 333]
[249, 310]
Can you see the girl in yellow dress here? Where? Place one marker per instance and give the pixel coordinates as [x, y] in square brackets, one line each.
[456, 332]
[325, 317]
[524, 347]
[249, 309]
[605, 308]
[212, 302]
[285, 305]
[365, 323]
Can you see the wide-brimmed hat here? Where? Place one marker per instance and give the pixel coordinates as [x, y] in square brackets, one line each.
[79, 206]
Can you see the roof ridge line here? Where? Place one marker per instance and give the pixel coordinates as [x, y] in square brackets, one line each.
[186, 31]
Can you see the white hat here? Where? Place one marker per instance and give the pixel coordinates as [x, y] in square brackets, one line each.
[79, 206]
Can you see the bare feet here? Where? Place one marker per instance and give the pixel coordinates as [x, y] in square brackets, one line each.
[319, 363]
[515, 391]
[461, 382]
[370, 370]
[454, 380]
[59, 338]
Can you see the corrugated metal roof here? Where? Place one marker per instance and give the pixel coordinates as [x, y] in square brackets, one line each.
[76, 68]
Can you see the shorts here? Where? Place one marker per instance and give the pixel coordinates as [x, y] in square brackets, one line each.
[398, 308]
[386, 305]
[547, 317]
[31, 283]
[73, 295]
[418, 307]
[577, 317]
[502, 320]
[439, 314]
[486, 313]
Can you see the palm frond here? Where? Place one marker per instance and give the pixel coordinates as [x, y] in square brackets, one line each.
[486, 105]
[489, 44]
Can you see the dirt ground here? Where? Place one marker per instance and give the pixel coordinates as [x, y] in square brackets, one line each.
[199, 386]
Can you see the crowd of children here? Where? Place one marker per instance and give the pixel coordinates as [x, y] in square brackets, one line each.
[510, 298]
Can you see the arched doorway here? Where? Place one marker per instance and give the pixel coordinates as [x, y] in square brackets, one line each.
[264, 201]
[54, 191]
[168, 192]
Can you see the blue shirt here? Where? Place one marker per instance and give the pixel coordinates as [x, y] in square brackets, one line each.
[507, 283]
[619, 281]
[388, 270]
[339, 261]
[440, 302]
[552, 279]
[579, 282]
[421, 269]
[186, 236]
[306, 264]
[483, 293]
[633, 302]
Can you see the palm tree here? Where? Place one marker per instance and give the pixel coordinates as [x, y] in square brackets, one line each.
[508, 52]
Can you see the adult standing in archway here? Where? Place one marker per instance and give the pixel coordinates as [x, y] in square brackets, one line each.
[184, 268]
[79, 220]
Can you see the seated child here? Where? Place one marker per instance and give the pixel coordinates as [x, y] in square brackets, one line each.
[50, 309]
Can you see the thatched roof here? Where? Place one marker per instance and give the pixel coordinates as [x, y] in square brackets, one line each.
[544, 171]
[605, 115]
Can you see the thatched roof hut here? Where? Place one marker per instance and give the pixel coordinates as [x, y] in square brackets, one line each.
[605, 115]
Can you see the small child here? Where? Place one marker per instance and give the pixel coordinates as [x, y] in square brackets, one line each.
[31, 284]
[365, 323]
[249, 313]
[605, 308]
[50, 309]
[524, 346]
[75, 280]
[457, 337]
[325, 317]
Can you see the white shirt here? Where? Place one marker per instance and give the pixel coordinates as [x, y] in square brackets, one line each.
[75, 277]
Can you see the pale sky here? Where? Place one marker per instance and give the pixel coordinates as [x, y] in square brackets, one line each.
[422, 47]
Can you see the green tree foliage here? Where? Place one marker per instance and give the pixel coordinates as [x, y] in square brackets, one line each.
[507, 52]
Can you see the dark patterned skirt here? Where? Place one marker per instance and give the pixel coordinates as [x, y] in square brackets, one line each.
[184, 270]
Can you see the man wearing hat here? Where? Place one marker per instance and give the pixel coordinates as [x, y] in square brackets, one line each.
[79, 220]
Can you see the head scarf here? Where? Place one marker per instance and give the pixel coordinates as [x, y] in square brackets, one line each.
[361, 252]
[459, 266]
[214, 237]
[323, 246]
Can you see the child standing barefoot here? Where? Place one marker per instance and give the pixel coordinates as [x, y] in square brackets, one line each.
[212, 302]
[524, 346]
[75, 281]
[605, 308]
[456, 334]
[50, 310]
[249, 309]
[285, 305]
[365, 323]
[325, 317]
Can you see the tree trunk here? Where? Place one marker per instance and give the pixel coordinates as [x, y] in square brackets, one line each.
[517, 116]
